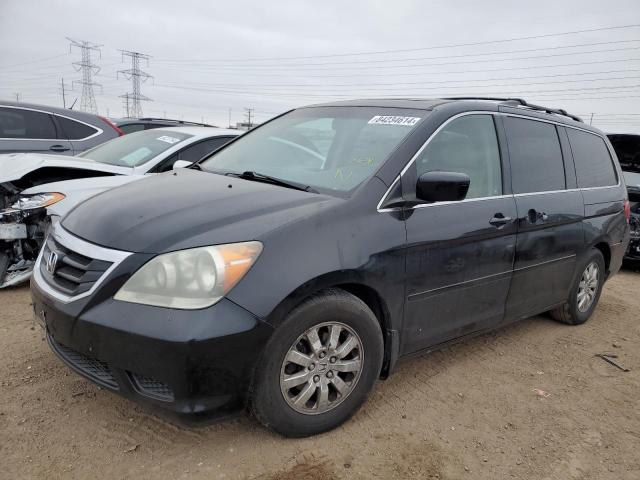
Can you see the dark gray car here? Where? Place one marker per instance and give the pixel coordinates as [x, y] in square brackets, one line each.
[38, 128]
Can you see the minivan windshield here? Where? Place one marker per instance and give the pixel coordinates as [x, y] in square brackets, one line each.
[325, 148]
[136, 148]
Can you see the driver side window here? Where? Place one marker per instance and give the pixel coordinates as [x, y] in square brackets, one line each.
[466, 145]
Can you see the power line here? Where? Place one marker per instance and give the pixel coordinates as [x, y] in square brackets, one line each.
[88, 69]
[379, 86]
[34, 61]
[464, 55]
[350, 66]
[327, 94]
[434, 47]
[388, 74]
[136, 75]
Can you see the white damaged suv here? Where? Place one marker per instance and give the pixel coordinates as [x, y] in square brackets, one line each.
[36, 190]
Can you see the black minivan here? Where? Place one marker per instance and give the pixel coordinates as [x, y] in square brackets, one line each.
[291, 269]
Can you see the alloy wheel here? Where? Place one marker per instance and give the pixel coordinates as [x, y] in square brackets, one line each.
[588, 287]
[321, 368]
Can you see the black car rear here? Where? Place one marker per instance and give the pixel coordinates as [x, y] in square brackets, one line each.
[627, 148]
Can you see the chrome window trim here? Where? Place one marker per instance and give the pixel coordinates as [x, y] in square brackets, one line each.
[502, 114]
[526, 117]
[70, 241]
[545, 192]
[99, 131]
[417, 154]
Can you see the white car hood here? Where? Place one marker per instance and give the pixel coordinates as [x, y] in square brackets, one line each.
[79, 190]
[14, 166]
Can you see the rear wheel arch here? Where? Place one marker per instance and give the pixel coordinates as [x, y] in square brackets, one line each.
[605, 249]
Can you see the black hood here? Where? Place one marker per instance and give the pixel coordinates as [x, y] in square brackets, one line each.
[188, 208]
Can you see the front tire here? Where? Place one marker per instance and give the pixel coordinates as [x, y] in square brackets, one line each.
[585, 292]
[319, 365]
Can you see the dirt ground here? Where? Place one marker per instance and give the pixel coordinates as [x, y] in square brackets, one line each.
[467, 412]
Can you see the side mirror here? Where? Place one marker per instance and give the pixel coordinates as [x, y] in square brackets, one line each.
[182, 164]
[442, 186]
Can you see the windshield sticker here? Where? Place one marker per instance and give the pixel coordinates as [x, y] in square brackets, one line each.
[168, 139]
[136, 157]
[394, 120]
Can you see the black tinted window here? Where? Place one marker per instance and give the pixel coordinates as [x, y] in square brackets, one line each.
[132, 127]
[594, 166]
[535, 154]
[627, 149]
[193, 153]
[19, 123]
[75, 130]
[466, 145]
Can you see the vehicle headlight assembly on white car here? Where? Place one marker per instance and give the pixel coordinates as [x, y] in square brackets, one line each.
[190, 279]
[39, 200]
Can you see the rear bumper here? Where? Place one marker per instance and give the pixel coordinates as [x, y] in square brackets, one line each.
[633, 252]
[617, 255]
[196, 364]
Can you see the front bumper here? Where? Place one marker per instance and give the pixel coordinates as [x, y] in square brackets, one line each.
[196, 363]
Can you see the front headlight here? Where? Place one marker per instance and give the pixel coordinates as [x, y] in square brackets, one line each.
[190, 279]
[39, 200]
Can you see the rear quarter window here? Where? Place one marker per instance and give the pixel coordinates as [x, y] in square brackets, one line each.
[594, 165]
[73, 130]
[535, 156]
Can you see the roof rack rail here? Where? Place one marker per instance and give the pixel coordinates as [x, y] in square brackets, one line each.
[174, 120]
[523, 103]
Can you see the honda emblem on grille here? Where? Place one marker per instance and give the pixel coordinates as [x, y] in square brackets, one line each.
[52, 261]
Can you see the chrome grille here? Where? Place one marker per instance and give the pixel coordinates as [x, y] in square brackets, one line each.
[69, 272]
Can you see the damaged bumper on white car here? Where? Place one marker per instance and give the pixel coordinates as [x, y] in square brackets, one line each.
[22, 232]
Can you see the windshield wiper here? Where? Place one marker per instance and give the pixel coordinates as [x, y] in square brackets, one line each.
[260, 177]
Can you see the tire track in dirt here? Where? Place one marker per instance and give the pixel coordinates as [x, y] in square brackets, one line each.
[468, 411]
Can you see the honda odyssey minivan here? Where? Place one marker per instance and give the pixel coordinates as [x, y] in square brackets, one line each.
[292, 269]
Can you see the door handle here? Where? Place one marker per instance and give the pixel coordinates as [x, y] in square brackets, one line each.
[58, 148]
[499, 220]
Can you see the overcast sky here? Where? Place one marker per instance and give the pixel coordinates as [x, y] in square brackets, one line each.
[208, 57]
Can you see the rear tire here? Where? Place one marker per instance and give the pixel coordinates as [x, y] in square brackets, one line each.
[585, 292]
[307, 383]
[4, 265]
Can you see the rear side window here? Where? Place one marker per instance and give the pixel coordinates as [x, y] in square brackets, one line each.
[535, 155]
[594, 166]
[466, 145]
[75, 130]
[26, 124]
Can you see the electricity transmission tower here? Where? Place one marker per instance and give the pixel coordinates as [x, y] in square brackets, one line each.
[137, 76]
[88, 69]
